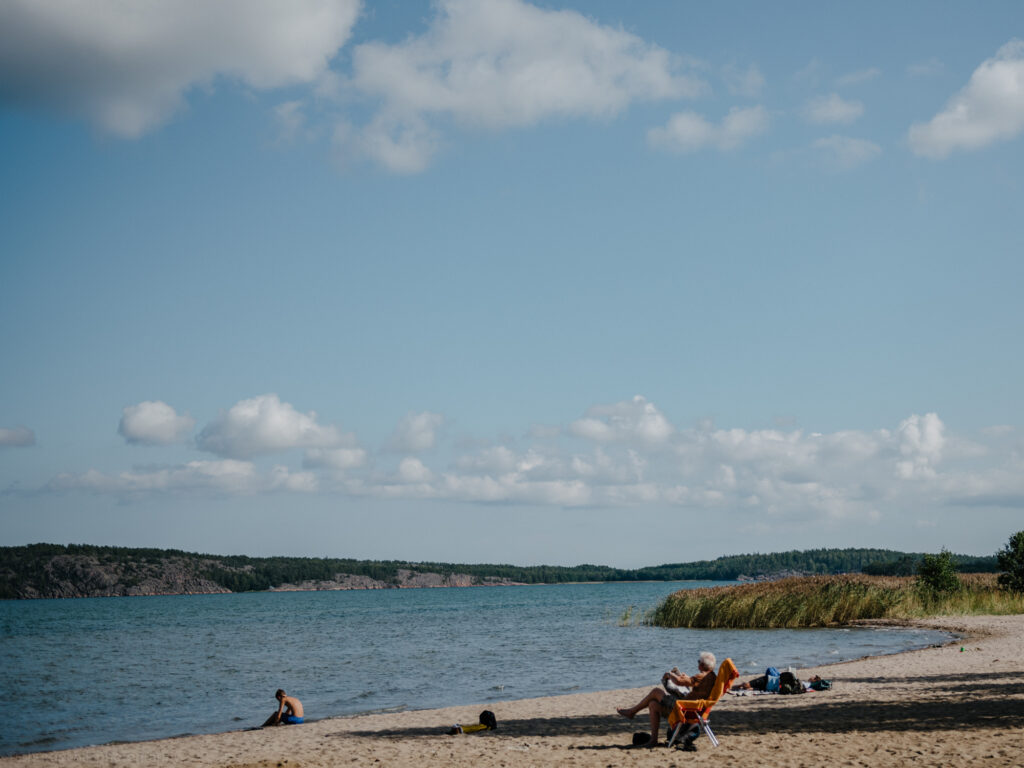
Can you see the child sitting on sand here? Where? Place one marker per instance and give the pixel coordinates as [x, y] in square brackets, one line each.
[293, 716]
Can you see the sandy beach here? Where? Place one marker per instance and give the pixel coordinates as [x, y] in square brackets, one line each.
[933, 707]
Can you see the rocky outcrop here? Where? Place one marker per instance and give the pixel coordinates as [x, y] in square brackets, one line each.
[84, 576]
[340, 581]
[405, 579]
[85, 570]
[77, 575]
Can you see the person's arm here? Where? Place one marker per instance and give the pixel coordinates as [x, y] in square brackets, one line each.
[679, 679]
[280, 709]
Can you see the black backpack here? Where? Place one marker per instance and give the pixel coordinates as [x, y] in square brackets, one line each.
[789, 684]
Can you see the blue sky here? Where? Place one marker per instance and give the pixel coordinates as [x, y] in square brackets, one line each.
[625, 283]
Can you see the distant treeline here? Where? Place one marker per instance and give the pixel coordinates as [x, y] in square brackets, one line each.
[883, 562]
[33, 564]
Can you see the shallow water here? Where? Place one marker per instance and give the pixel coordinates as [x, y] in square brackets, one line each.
[91, 671]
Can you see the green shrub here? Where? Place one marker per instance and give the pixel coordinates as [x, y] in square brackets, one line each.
[1011, 562]
[936, 574]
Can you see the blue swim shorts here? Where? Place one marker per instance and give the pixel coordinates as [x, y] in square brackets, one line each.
[290, 719]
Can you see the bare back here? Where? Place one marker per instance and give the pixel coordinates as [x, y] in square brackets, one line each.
[292, 706]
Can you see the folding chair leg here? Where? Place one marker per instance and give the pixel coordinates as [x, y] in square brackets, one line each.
[707, 730]
[675, 734]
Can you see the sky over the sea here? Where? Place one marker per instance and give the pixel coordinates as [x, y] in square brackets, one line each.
[499, 281]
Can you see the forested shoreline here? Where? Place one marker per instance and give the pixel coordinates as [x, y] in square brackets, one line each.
[85, 570]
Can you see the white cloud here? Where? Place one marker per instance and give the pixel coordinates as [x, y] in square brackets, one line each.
[401, 146]
[495, 64]
[221, 476]
[988, 109]
[844, 152]
[747, 82]
[634, 421]
[154, 422]
[417, 432]
[412, 470]
[126, 67]
[497, 460]
[334, 458]
[17, 437]
[263, 425]
[690, 132]
[617, 455]
[832, 109]
[282, 478]
[921, 444]
[860, 76]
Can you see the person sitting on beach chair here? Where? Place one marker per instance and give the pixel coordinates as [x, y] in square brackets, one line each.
[294, 714]
[659, 703]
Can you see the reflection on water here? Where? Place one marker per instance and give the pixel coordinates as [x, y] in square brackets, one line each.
[124, 669]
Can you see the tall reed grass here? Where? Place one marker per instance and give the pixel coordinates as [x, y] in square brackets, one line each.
[822, 601]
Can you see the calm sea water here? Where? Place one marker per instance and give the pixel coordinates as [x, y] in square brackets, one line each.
[92, 671]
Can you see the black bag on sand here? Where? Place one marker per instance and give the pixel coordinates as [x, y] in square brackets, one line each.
[687, 737]
[487, 718]
[789, 684]
[641, 738]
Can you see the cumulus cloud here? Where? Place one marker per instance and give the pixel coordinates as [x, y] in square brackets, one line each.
[417, 432]
[127, 67]
[832, 109]
[17, 437]
[616, 455]
[264, 424]
[495, 64]
[988, 109]
[154, 422]
[226, 476]
[921, 444]
[690, 132]
[412, 470]
[635, 420]
[845, 152]
[335, 458]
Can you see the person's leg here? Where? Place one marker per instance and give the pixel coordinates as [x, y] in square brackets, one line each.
[654, 696]
[655, 710]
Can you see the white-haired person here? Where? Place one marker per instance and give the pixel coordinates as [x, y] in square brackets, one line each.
[660, 702]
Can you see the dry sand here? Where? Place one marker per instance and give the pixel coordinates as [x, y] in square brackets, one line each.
[934, 707]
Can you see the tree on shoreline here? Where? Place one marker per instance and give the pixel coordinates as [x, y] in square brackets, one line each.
[936, 574]
[1011, 562]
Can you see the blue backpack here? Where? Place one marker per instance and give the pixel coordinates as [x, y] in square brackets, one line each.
[771, 676]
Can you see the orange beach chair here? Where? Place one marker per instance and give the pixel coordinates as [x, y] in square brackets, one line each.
[688, 712]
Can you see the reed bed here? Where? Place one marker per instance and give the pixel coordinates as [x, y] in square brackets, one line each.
[824, 601]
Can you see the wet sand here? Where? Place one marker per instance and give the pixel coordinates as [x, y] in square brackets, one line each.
[933, 707]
